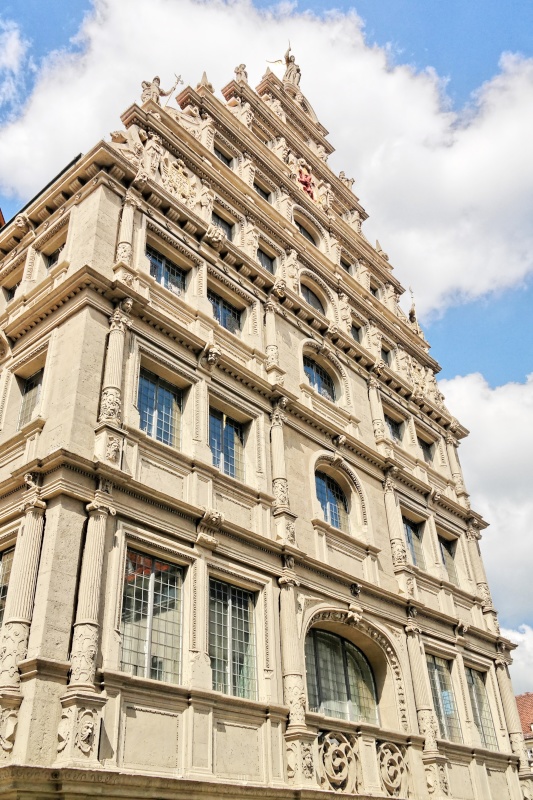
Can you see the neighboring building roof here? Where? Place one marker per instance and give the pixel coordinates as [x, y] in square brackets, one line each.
[2, 220]
[525, 710]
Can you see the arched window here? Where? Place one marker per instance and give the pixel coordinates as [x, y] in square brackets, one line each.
[333, 501]
[303, 230]
[319, 379]
[340, 682]
[311, 298]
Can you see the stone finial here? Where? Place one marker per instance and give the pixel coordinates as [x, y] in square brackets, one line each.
[204, 81]
[380, 251]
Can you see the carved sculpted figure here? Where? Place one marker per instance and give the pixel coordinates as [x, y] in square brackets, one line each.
[306, 179]
[151, 90]
[241, 76]
[292, 70]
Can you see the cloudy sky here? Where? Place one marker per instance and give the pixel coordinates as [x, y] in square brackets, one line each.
[430, 108]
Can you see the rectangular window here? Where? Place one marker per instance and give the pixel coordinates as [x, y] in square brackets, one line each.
[223, 157]
[262, 192]
[346, 265]
[226, 440]
[385, 356]
[356, 333]
[223, 224]
[10, 293]
[53, 258]
[413, 537]
[395, 428]
[231, 639]
[151, 618]
[165, 272]
[373, 290]
[224, 313]
[31, 392]
[427, 450]
[159, 408]
[447, 552]
[5, 572]
[480, 708]
[265, 260]
[305, 233]
[443, 698]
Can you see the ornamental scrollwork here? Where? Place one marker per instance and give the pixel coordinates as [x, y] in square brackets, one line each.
[339, 765]
[393, 769]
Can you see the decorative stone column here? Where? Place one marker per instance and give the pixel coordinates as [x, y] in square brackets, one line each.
[512, 720]
[272, 365]
[79, 728]
[283, 517]
[86, 626]
[376, 409]
[298, 739]
[394, 522]
[111, 400]
[434, 762]
[123, 265]
[457, 475]
[472, 537]
[109, 435]
[22, 582]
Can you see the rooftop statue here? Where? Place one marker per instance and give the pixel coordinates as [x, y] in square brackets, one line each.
[153, 91]
[292, 70]
[241, 76]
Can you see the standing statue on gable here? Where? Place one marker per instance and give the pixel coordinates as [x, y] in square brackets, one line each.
[241, 76]
[151, 90]
[292, 70]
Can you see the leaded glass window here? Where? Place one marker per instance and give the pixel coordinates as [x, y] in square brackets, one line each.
[226, 440]
[447, 552]
[394, 428]
[333, 501]
[480, 708]
[413, 537]
[223, 224]
[160, 406]
[224, 313]
[166, 273]
[311, 298]
[31, 392]
[340, 682]
[443, 698]
[305, 232]
[232, 639]
[319, 379]
[151, 618]
[265, 260]
[5, 572]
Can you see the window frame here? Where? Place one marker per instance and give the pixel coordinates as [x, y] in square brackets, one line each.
[179, 572]
[223, 310]
[487, 736]
[427, 449]
[252, 664]
[320, 378]
[305, 232]
[449, 562]
[163, 271]
[6, 564]
[267, 196]
[313, 636]
[312, 298]
[450, 731]
[331, 487]
[262, 256]
[415, 546]
[220, 463]
[222, 156]
[221, 222]
[25, 416]
[392, 424]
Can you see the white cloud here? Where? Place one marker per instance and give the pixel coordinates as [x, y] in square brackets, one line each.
[497, 459]
[449, 198]
[522, 667]
[13, 48]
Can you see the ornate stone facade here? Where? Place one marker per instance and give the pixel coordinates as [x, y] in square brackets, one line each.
[223, 504]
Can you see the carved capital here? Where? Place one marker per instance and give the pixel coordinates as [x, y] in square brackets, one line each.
[99, 507]
[120, 318]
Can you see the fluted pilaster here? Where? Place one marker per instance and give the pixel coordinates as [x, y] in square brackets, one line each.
[111, 401]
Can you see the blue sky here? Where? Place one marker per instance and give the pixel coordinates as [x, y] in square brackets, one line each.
[434, 123]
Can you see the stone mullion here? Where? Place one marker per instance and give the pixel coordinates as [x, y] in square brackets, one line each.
[111, 401]
[21, 593]
[86, 626]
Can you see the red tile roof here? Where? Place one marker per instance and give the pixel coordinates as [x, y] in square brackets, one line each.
[525, 710]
